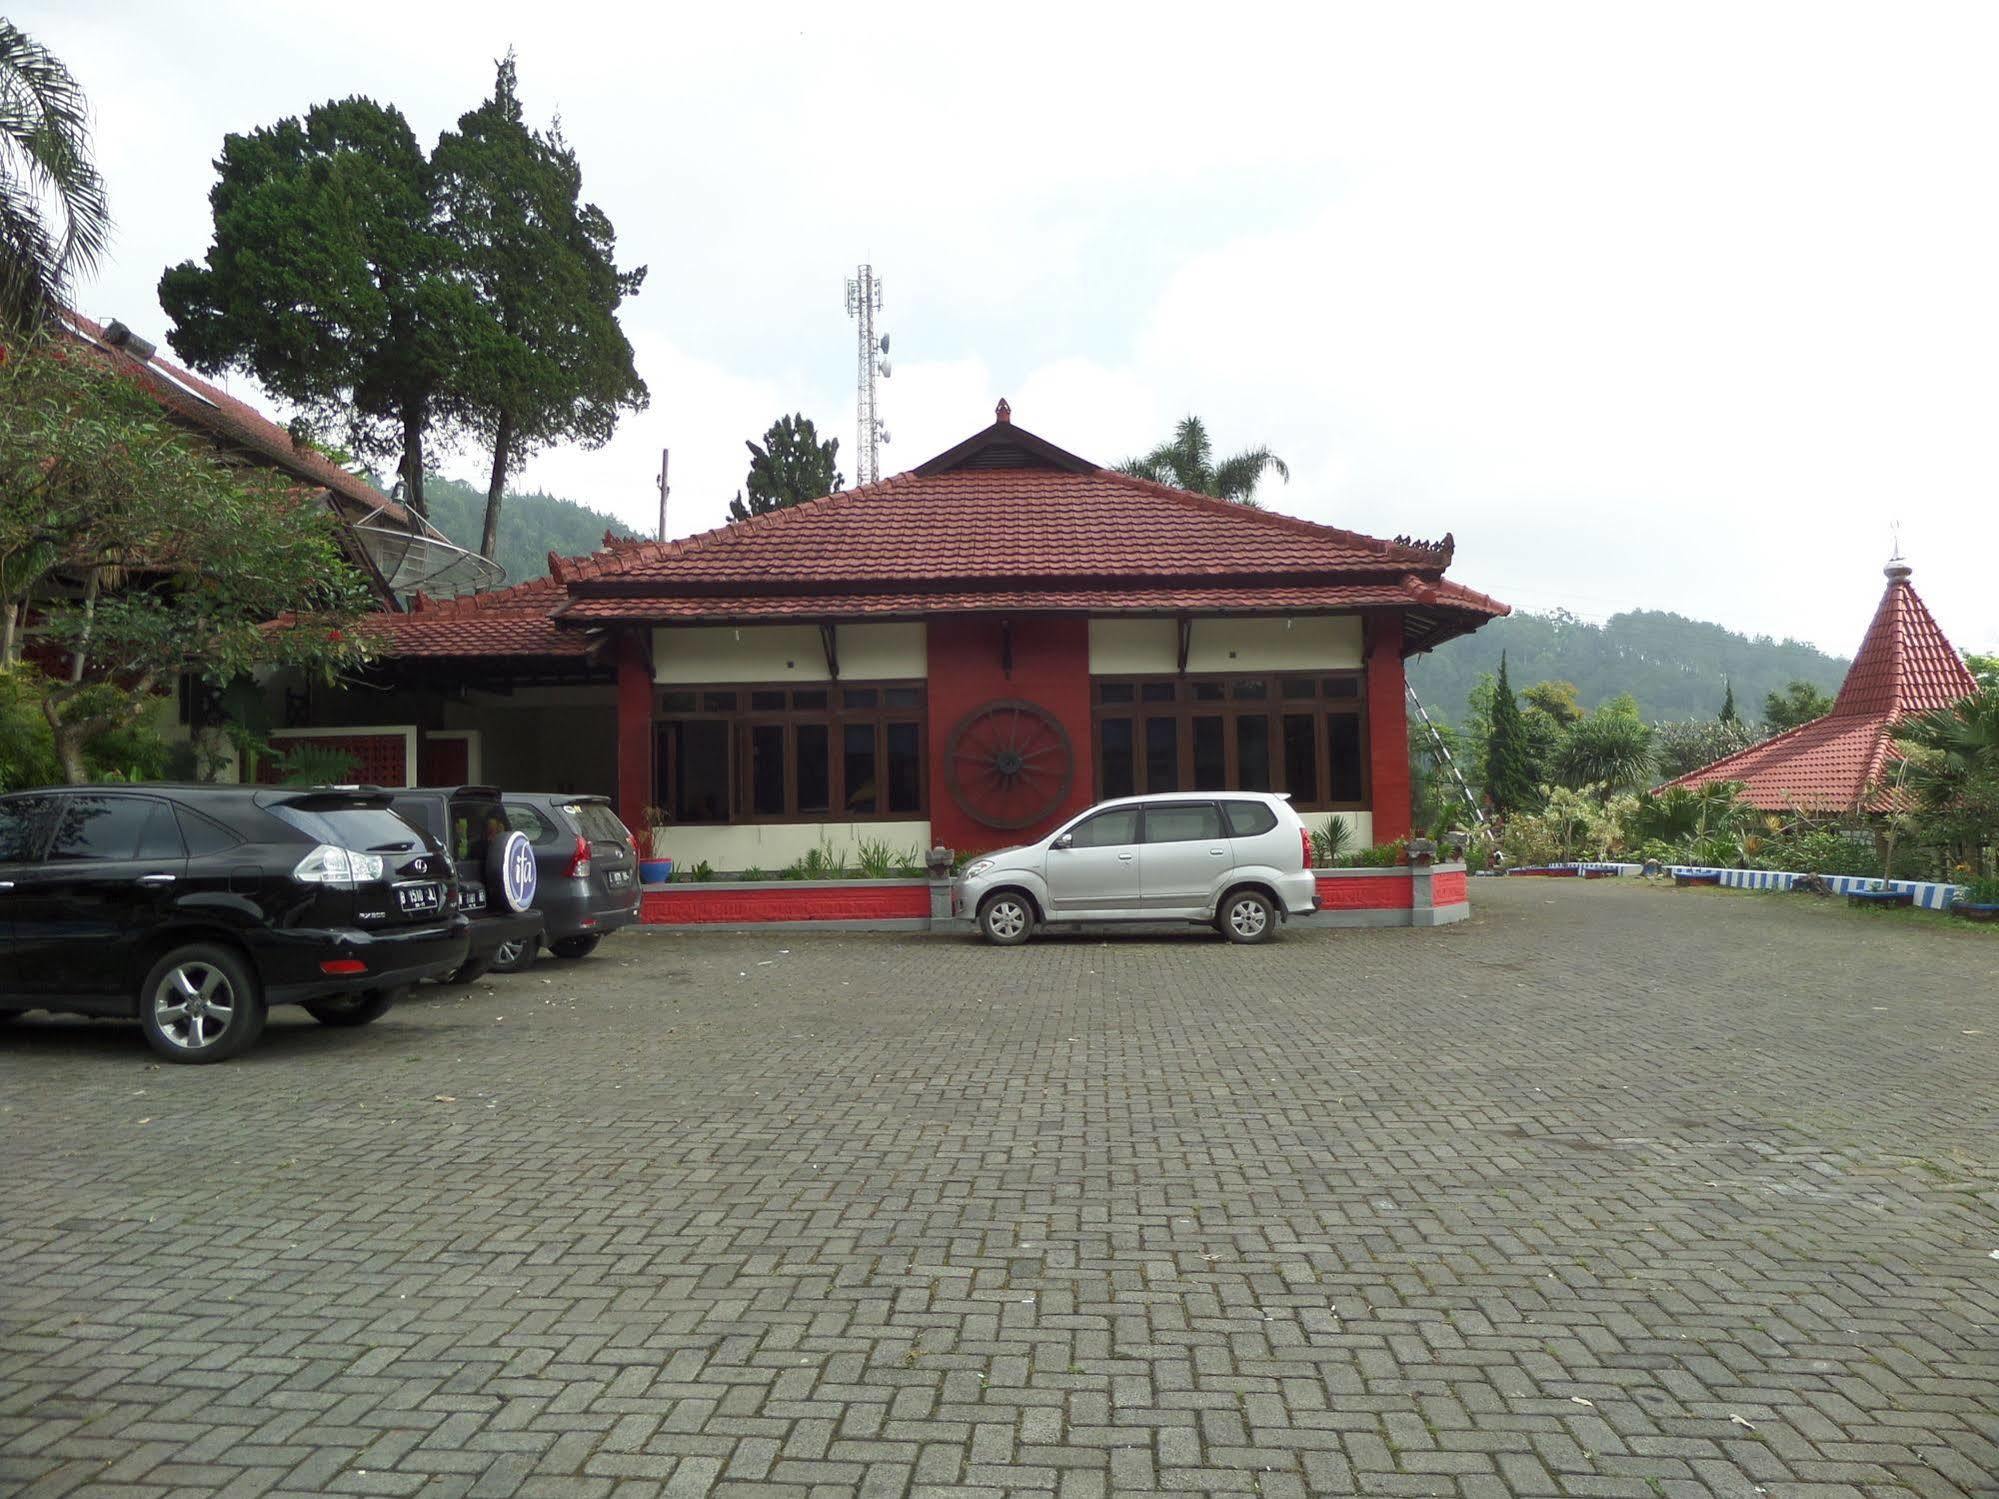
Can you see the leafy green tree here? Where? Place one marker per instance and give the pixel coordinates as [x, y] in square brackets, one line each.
[54, 219]
[550, 364]
[1611, 748]
[1949, 765]
[1509, 769]
[792, 466]
[1556, 699]
[1688, 744]
[1985, 669]
[161, 560]
[331, 279]
[1799, 702]
[1727, 714]
[1187, 461]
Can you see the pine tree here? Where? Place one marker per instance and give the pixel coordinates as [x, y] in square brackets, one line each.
[1728, 705]
[1509, 767]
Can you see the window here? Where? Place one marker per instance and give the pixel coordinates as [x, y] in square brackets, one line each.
[113, 827]
[1247, 819]
[1304, 736]
[598, 822]
[525, 819]
[203, 836]
[1111, 829]
[23, 829]
[1117, 774]
[1182, 822]
[775, 754]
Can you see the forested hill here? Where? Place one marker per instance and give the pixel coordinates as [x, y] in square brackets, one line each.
[1675, 667]
[531, 525]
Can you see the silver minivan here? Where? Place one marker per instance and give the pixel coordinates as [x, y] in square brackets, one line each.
[1240, 860]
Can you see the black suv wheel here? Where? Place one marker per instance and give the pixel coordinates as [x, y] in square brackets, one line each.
[200, 1004]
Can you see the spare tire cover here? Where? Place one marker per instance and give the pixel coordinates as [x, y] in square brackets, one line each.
[510, 869]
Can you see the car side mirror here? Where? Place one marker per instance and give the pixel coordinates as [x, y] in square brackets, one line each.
[1064, 841]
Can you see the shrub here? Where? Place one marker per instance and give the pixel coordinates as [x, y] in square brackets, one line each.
[1331, 842]
[700, 874]
[1982, 892]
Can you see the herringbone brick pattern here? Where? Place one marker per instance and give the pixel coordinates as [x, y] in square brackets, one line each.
[1609, 1191]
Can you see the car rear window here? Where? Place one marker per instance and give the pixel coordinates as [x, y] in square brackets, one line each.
[1247, 819]
[525, 819]
[599, 823]
[475, 822]
[362, 828]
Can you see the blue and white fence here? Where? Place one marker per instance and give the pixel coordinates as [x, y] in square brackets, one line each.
[1931, 895]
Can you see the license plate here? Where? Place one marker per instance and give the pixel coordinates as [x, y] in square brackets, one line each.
[617, 879]
[419, 898]
[471, 898]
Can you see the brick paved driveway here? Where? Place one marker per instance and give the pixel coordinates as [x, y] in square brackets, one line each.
[1543, 1204]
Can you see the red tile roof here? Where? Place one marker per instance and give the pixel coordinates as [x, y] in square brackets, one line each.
[234, 422]
[1838, 763]
[1003, 520]
[512, 621]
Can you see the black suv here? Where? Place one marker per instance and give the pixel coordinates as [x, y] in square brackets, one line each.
[470, 824]
[194, 907]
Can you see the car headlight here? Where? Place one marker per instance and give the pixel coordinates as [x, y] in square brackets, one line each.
[974, 870]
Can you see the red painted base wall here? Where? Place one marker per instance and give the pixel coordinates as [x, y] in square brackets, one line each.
[1449, 889]
[1380, 892]
[1051, 668]
[688, 905]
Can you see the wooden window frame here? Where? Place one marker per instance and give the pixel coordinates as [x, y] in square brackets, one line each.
[835, 717]
[1273, 706]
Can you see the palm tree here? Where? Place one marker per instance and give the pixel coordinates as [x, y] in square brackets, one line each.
[53, 220]
[1187, 462]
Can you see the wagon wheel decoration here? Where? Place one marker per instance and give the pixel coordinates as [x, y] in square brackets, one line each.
[1010, 764]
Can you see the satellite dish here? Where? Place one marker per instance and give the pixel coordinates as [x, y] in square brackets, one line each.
[884, 343]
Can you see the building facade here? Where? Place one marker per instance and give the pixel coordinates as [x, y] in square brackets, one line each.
[964, 654]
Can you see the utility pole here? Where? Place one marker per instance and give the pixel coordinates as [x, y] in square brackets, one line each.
[864, 300]
[664, 488]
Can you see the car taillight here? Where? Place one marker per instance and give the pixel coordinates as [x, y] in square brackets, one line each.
[341, 868]
[1305, 845]
[579, 861]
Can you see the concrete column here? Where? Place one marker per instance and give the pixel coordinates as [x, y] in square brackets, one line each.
[635, 772]
[1387, 727]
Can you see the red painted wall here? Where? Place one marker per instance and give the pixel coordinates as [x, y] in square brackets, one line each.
[1051, 668]
[1449, 889]
[1387, 727]
[1373, 892]
[635, 788]
[684, 905]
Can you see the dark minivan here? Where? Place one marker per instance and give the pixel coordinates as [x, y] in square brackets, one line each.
[589, 872]
[193, 908]
[470, 824]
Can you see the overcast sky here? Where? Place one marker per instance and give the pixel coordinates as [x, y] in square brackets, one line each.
[1671, 306]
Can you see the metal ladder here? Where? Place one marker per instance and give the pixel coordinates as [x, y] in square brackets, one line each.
[1441, 753]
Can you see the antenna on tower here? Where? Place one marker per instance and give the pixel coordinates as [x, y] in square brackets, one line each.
[864, 300]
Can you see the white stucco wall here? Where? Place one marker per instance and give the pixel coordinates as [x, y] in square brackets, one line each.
[772, 846]
[684, 654]
[1149, 647]
[1360, 825]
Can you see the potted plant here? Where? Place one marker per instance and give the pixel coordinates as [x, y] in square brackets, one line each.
[1979, 902]
[655, 868]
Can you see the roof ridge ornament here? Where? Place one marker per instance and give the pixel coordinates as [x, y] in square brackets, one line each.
[1003, 412]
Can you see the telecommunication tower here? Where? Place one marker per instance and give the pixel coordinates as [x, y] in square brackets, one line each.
[864, 300]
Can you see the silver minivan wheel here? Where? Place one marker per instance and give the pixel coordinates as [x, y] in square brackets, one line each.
[1247, 917]
[1006, 919]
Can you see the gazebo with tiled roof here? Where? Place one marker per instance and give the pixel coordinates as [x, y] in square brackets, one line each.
[1840, 763]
